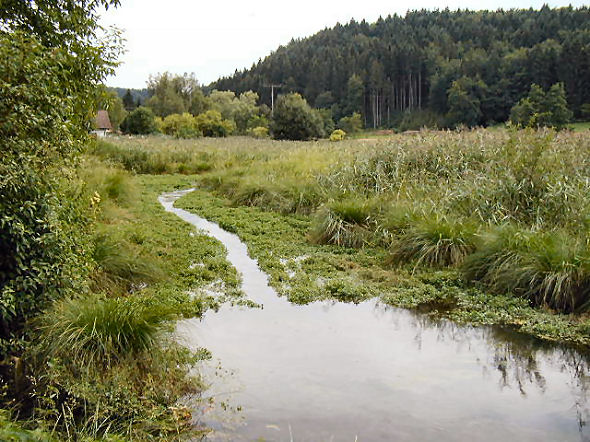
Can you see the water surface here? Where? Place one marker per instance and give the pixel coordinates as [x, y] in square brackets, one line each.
[369, 372]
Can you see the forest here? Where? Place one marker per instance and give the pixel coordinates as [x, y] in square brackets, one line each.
[435, 68]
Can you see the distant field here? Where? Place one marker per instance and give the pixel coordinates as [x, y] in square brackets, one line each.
[581, 127]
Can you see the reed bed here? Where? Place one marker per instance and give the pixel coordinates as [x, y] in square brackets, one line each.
[441, 199]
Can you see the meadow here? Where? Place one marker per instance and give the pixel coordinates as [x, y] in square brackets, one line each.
[486, 227]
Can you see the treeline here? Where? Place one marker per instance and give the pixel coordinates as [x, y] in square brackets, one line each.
[430, 66]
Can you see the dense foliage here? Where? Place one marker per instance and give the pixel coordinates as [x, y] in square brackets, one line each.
[47, 94]
[466, 67]
[540, 109]
[293, 119]
[139, 122]
[84, 352]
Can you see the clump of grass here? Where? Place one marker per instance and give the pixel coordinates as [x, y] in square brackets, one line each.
[343, 223]
[97, 331]
[548, 268]
[119, 265]
[396, 218]
[435, 241]
[112, 184]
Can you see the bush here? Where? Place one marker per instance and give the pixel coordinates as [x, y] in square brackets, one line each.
[211, 124]
[141, 121]
[351, 124]
[120, 267]
[540, 109]
[259, 132]
[41, 133]
[100, 331]
[337, 135]
[181, 126]
[294, 119]
[417, 119]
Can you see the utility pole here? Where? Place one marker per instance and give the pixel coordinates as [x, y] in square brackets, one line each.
[272, 94]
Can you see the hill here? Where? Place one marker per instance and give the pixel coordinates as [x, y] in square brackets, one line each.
[477, 64]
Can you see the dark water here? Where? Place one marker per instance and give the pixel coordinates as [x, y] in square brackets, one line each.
[368, 372]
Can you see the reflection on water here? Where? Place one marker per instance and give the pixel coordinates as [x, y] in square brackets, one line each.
[370, 372]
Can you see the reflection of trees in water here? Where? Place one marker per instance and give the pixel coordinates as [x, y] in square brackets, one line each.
[516, 357]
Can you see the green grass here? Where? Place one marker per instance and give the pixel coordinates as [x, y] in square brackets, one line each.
[104, 365]
[101, 331]
[582, 126]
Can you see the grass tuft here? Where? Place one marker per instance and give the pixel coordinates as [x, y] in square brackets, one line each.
[97, 331]
[343, 223]
[121, 267]
[548, 268]
[435, 241]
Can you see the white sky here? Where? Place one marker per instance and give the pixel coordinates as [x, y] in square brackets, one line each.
[213, 38]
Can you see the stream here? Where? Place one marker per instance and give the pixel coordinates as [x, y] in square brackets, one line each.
[330, 371]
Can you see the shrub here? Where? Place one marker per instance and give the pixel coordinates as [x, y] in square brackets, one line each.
[259, 132]
[343, 223]
[337, 135]
[211, 124]
[351, 124]
[41, 133]
[294, 119]
[141, 121]
[540, 109]
[100, 331]
[120, 267]
[180, 126]
[417, 119]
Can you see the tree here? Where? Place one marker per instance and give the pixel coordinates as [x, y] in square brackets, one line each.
[351, 124]
[50, 65]
[128, 101]
[223, 102]
[540, 109]
[293, 119]
[212, 124]
[355, 91]
[175, 94]
[139, 122]
[181, 126]
[464, 98]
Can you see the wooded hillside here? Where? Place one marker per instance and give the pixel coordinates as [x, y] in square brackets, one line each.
[474, 65]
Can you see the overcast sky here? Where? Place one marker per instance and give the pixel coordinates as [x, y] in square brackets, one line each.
[214, 38]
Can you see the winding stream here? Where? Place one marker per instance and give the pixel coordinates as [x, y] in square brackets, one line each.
[369, 372]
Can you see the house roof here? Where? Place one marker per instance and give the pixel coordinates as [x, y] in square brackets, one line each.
[102, 120]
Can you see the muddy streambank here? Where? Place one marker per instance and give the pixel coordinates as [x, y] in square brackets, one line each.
[369, 372]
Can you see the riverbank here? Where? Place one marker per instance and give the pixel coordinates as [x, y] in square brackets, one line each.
[305, 272]
[480, 227]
